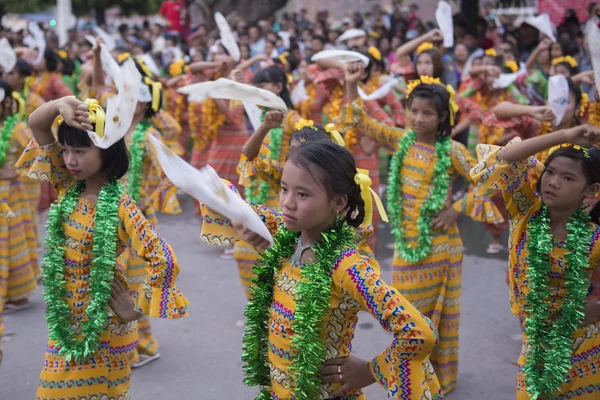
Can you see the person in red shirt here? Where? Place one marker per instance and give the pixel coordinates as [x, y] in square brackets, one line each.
[172, 10]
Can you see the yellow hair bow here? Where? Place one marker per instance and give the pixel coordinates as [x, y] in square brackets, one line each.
[512, 65]
[304, 123]
[566, 59]
[423, 47]
[374, 51]
[585, 150]
[368, 194]
[156, 89]
[123, 56]
[491, 52]
[95, 114]
[17, 97]
[453, 105]
[334, 135]
[144, 67]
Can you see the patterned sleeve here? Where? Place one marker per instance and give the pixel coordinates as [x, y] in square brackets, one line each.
[218, 230]
[201, 141]
[158, 296]
[355, 116]
[414, 336]
[169, 130]
[22, 134]
[263, 167]
[34, 101]
[396, 108]
[512, 178]
[474, 204]
[45, 164]
[162, 192]
[316, 74]
[469, 109]
[376, 112]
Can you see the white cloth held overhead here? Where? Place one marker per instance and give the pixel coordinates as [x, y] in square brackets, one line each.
[443, 17]
[380, 92]
[352, 33]
[253, 113]
[542, 23]
[340, 55]
[592, 37]
[227, 39]
[558, 96]
[299, 93]
[205, 186]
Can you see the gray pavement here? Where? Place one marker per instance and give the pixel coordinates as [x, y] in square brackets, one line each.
[201, 354]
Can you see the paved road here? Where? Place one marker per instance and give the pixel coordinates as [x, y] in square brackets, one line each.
[201, 354]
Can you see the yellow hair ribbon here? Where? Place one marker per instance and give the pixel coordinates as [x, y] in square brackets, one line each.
[156, 88]
[491, 52]
[304, 123]
[17, 97]
[283, 58]
[123, 56]
[585, 150]
[335, 136]
[566, 59]
[512, 65]
[452, 103]
[374, 51]
[95, 114]
[423, 47]
[368, 194]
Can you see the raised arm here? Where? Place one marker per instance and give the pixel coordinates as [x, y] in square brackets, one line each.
[506, 110]
[72, 110]
[532, 59]
[409, 47]
[98, 82]
[273, 119]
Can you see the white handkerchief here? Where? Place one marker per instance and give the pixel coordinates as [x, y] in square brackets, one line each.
[253, 113]
[299, 93]
[109, 41]
[558, 96]
[443, 17]
[341, 55]
[379, 92]
[205, 186]
[227, 38]
[592, 36]
[350, 34]
[542, 23]
[505, 80]
[40, 40]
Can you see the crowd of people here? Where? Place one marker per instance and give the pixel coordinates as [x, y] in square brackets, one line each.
[502, 127]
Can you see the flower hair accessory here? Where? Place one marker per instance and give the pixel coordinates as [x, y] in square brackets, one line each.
[423, 47]
[584, 149]
[566, 59]
[96, 115]
[427, 80]
[177, 67]
[512, 65]
[491, 52]
[585, 102]
[334, 135]
[368, 194]
[375, 53]
[304, 123]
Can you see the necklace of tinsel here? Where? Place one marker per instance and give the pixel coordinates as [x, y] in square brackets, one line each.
[258, 192]
[434, 203]
[136, 150]
[547, 364]
[104, 254]
[312, 299]
[6, 136]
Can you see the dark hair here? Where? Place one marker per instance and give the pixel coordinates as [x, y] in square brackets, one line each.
[275, 74]
[68, 66]
[115, 159]
[590, 163]
[572, 70]
[23, 68]
[51, 60]
[372, 62]
[438, 96]
[438, 63]
[337, 177]
[310, 135]
[7, 93]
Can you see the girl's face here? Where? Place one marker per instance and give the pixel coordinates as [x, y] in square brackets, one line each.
[561, 69]
[564, 185]
[461, 53]
[304, 201]
[269, 49]
[544, 57]
[423, 117]
[274, 88]
[384, 46]
[424, 65]
[555, 50]
[302, 67]
[245, 52]
[82, 162]
[13, 79]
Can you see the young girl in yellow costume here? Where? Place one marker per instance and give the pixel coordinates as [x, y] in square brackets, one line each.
[428, 257]
[5, 216]
[312, 283]
[553, 252]
[149, 187]
[94, 221]
[19, 268]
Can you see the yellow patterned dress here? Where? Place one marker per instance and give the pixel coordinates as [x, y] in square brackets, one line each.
[157, 193]
[433, 284]
[5, 216]
[106, 374]
[32, 188]
[18, 252]
[402, 369]
[244, 254]
[522, 202]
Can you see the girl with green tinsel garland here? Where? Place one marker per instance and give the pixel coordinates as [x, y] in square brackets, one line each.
[91, 317]
[427, 262]
[554, 262]
[310, 286]
[276, 134]
[145, 183]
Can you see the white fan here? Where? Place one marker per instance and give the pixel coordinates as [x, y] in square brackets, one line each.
[340, 55]
[227, 89]
[205, 186]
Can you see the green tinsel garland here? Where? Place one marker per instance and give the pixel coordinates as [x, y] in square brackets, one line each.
[313, 296]
[258, 193]
[104, 254]
[549, 360]
[136, 150]
[6, 136]
[431, 206]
